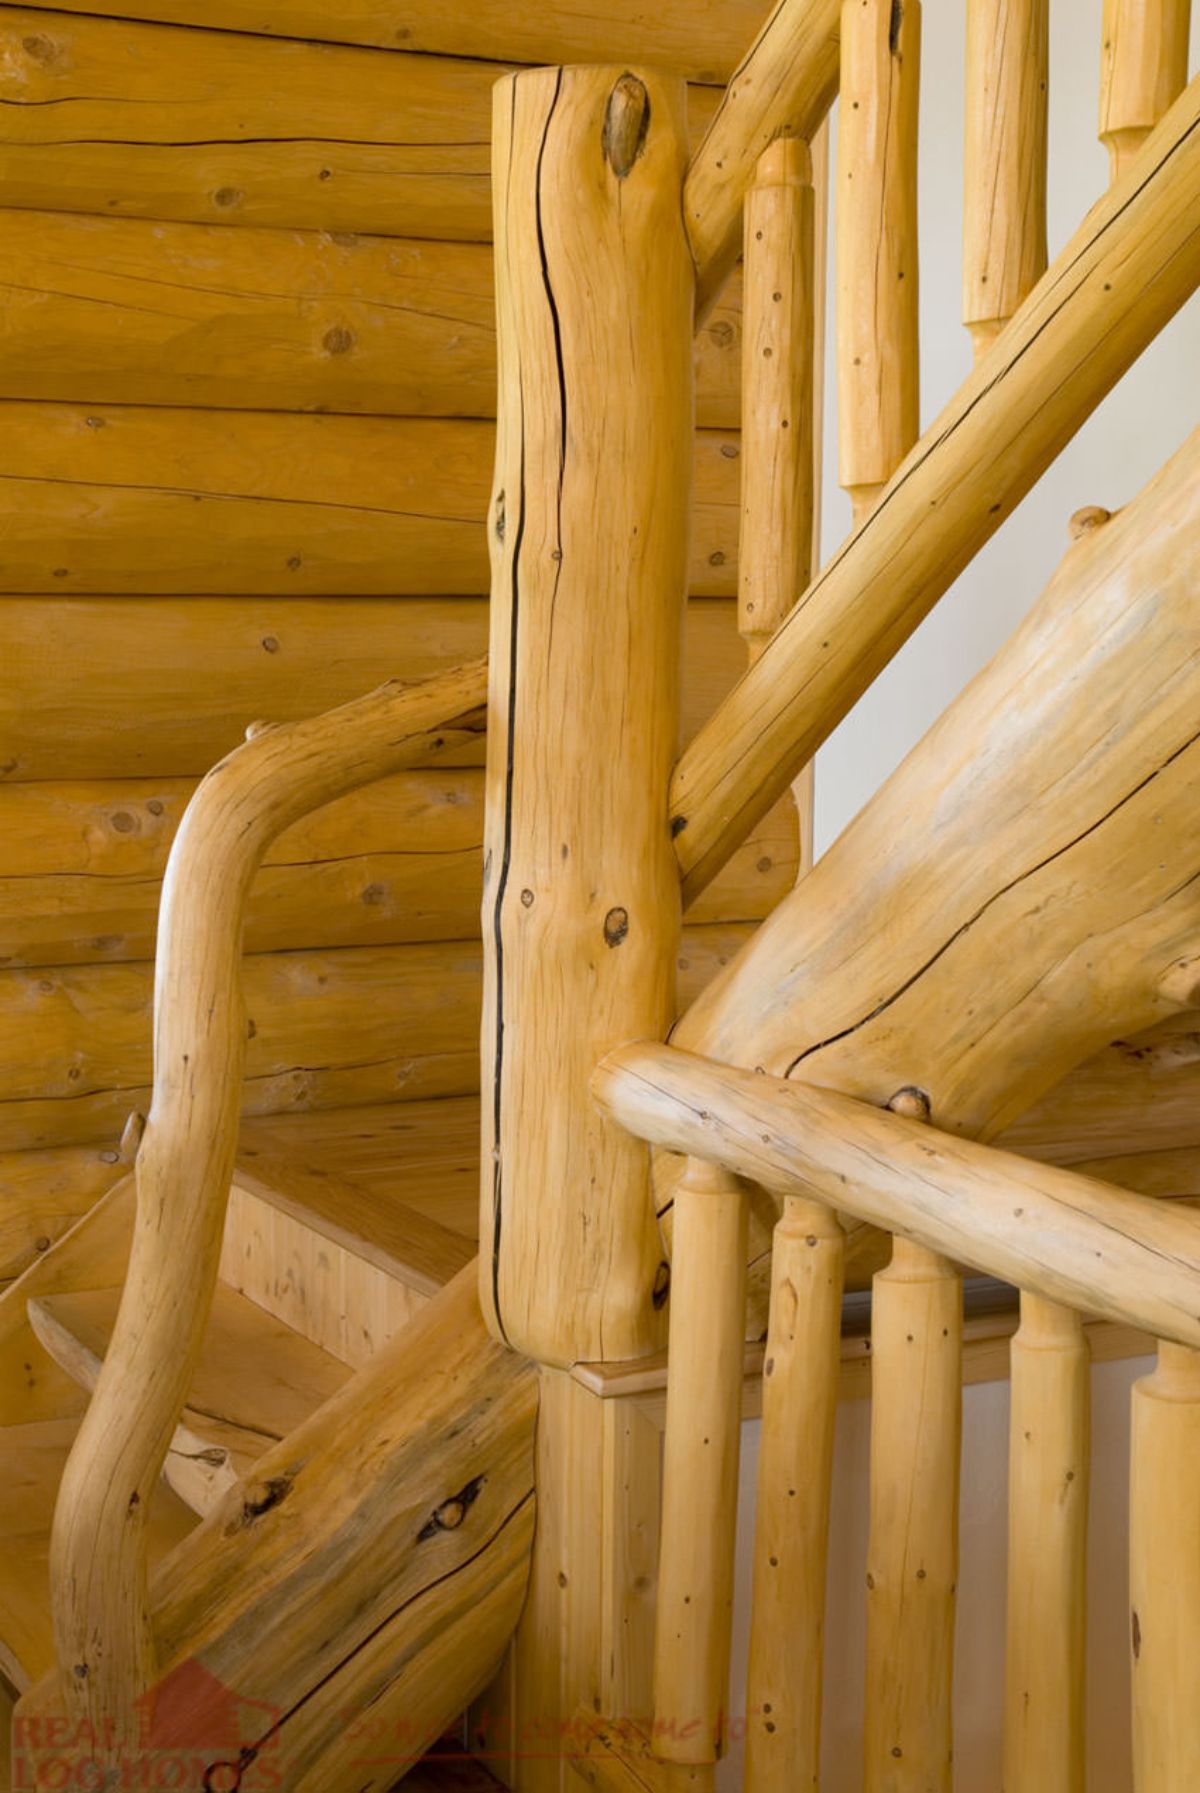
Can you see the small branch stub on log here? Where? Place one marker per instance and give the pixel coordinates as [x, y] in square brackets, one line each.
[589, 556]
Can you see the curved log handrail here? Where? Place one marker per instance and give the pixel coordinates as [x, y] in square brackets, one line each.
[183, 1168]
[1071, 1238]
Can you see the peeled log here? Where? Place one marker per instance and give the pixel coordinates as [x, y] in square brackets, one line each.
[946, 940]
[1131, 264]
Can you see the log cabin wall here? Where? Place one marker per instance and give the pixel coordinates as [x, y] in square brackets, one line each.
[247, 380]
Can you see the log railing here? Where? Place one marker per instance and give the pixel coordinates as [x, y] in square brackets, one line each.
[106, 1651]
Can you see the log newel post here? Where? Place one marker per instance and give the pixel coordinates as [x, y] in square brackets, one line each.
[588, 534]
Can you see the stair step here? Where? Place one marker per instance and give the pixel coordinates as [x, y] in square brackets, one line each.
[256, 1381]
[33, 1458]
[343, 1224]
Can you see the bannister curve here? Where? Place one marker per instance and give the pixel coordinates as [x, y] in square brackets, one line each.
[183, 1168]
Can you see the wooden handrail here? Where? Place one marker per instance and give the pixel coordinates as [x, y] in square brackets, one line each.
[1072, 1238]
[183, 1168]
[784, 86]
[1126, 271]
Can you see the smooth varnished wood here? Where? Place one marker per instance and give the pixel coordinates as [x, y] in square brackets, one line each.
[1004, 162]
[1049, 1461]
[144, 499]
[1128, 268]
[620, 1757]
[589, 540]
[878, 357]
[800, 1389]
[694, 1622]
[1143, 66]
[1071, 1238]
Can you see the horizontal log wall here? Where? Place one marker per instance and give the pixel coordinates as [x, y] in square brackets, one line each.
[247, 384]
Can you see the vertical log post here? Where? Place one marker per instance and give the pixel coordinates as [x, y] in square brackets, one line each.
[795, 1471]
[1049, 1450]
[1004, 186]
[1143, 68]
[775, 548]
[588, 533]
[1164, 1591]
[912, 1555]
[878, 389]
[700, 1465]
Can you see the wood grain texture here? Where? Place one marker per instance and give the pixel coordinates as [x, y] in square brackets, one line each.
[782, 86]
[1004, 163]
[77, 703]
[128, 119]
[1143, 66]
[1131, 264]
[399, 862]
[1028, 851]
[330, 1029]
[1087, 1244]
[116, 311]
[408, 1501]
[588, 526]
[878, 357]
[139, 499]
[42, 1194]
[701, 40]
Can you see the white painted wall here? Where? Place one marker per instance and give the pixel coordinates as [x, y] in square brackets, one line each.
[1138, 426]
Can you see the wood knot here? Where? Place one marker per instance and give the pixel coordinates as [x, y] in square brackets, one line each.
[662, 1285]
[1082, 522]
[616, 926]
[912, 1103]
[338, 341]
[450, 1515]
[626, 123]
[260, 1498]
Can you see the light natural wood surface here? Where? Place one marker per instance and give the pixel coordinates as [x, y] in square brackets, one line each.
[42, 1194]
[76, 705]
[1073, 1239]
[1004, 160]
[408, 1501]
[1131, 264]
[255, 1381]
[145, 499]
[1049, 1462]
[183, 1167]
[1164, 1573]
[620, 1758]
[588, 526]
[800, 1378]
[1143, 66]
[878, 358]
[694, 1609]
[398, 862]
[783, 85]
[1031, 848]
[912, 1552]
[702, 41]
[33, 1456]
[110, 311]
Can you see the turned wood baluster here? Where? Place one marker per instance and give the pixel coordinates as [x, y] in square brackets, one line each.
[878, 364]
[795, 1469]
[1143, 68]
[1164, 1574]
[700, 1465]
[1004, 166]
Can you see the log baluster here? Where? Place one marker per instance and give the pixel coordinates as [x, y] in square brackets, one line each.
[1164, 1578]
[878, 392]
[912, 1554]
[1049, 1451]
[1004, 167]
[700, 1465]
[1143, 68]
[795, 1469]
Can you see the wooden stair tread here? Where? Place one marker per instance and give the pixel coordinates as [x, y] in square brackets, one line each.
[33, 1458]
[423, 1155]
[256, 1381]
